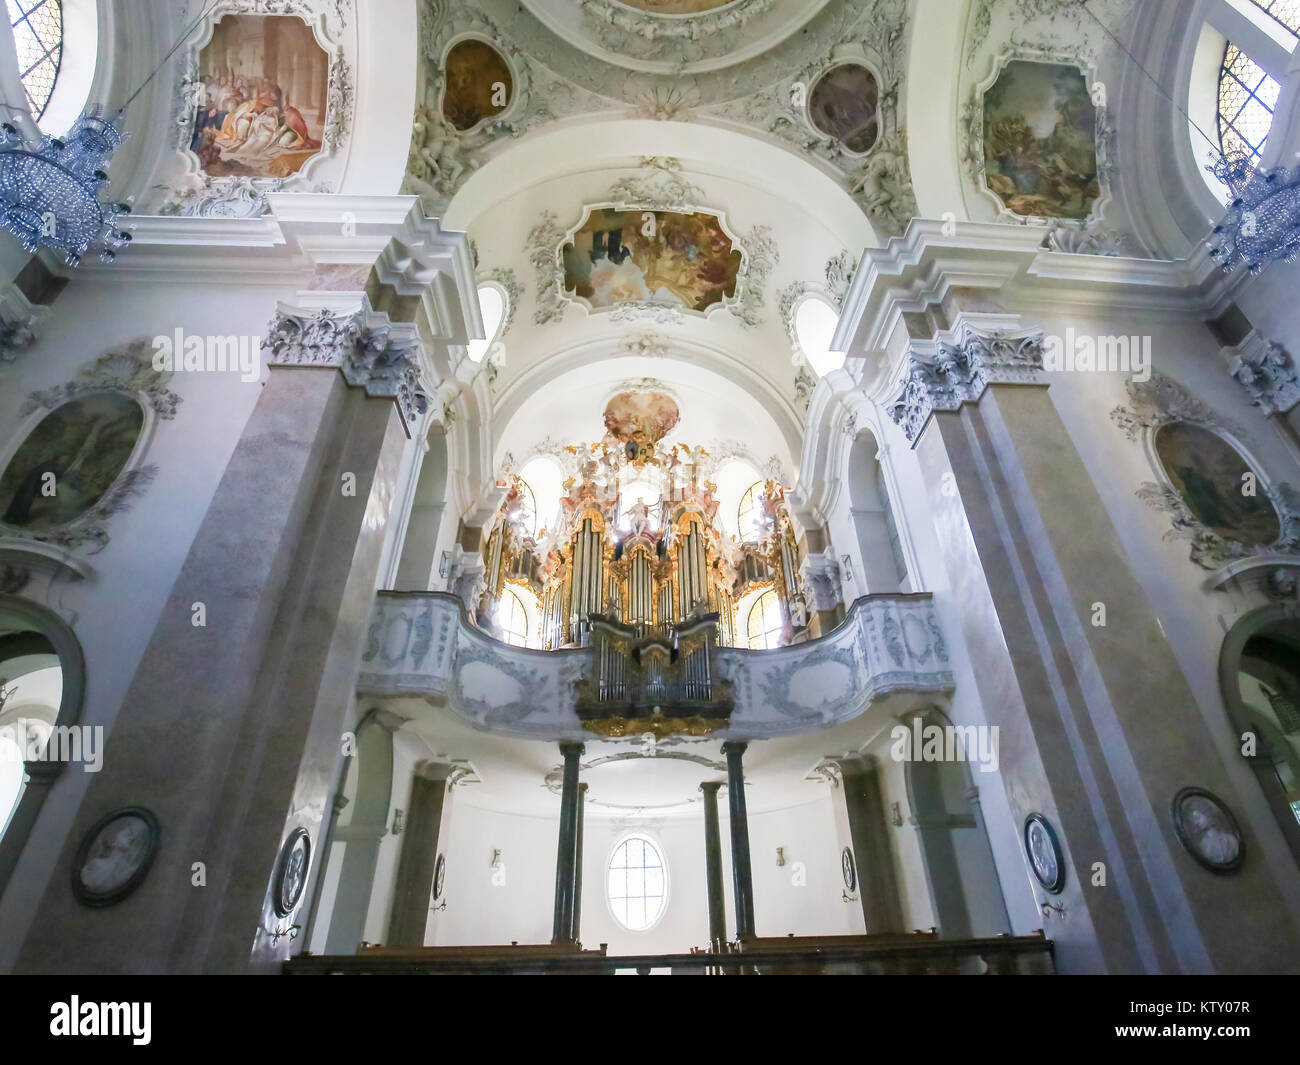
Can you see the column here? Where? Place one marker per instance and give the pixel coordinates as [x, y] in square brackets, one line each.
[742, 876]
[256, 650]
[868, 829]
[577, 865]
[713, 864]
[1031, 551]
[567, 851]
[425, 814]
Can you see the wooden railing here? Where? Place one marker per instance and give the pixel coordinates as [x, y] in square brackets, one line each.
[916, 954]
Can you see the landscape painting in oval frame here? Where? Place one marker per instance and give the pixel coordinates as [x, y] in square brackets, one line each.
[1216, 484]
[69, 461]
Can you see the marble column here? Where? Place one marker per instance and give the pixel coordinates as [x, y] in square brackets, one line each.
[713, 864]
[878, 894]
[577, 865]
[566, 852]
[426, 814]
[230, 731]
[741, 872]
[1032, 554]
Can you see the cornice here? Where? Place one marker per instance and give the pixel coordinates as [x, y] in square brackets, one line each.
[932, 258]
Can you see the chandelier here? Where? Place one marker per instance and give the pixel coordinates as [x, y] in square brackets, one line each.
[1263, 220]
[49, 193]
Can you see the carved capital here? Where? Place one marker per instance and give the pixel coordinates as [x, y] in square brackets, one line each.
[20, 323]
[957, 367]
[819, 576]
[1266, 371]
[372, 352]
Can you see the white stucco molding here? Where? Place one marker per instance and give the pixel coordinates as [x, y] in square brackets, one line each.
[422, 644]
[1005, 270]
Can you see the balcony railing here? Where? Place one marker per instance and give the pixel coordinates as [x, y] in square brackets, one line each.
[422, 643]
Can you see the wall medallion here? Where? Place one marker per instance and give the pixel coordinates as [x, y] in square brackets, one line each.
[439, 876]
[291, 869]
[1044, 850]
[477, 84]
[115, 856]
[1207, 829]
[848, 870]
[843, 104]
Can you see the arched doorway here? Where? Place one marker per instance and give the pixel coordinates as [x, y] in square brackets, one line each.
[43, 674]
[965, 891]
[1259, 674]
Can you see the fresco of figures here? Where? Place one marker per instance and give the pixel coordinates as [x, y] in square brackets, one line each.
[263, 99]
[1040, 141]
[665, 257]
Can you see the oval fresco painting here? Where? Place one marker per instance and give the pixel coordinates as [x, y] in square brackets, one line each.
[478, 84]
[1208, 474]
[85, 444]
[843, 105]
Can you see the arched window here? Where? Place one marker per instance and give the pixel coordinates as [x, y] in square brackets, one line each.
[637, 883]
[545, 477]
[750, 518]
[492, 304]
[1287, 12]
[1247, 97]
[513, 618]
[765, 623]
[38, 40]
[814, 327]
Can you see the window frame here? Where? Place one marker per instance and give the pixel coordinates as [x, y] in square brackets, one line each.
[757, 605]
[57, 52]
[658, 848]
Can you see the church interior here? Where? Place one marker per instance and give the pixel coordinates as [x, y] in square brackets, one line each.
[725, 487]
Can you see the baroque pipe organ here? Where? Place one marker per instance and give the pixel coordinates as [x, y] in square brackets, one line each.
[637, 540]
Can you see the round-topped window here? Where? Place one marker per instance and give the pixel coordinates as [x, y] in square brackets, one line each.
[637, 883]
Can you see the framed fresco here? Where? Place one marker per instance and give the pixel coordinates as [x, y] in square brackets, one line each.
[265, 100]
[75, 459]
[1216, 484]
[1037, 141]
[848, 870]
[263, 84]
[478, 84]
[674, 259]
[115, 855]
[1044, 851]
[843, 104]
[1216, 497]
[1207, 830]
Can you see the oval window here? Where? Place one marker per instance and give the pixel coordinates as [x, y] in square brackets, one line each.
[1217, 484]
[637, 883]
[478, 84]
[843, 104]
[69, 461]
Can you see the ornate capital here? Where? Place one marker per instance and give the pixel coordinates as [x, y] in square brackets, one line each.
[371, 351]
[20, 322]
[819, 576]
[962, 365]
[1264, 369]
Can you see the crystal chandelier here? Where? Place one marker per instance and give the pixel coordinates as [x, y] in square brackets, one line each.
[1263, 220]
[49, 194]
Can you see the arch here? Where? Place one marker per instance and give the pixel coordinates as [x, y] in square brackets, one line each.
[883, 567]
[419, 552]
[368, 788]
[1273, 750]
[965, 892]
[22, 615]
